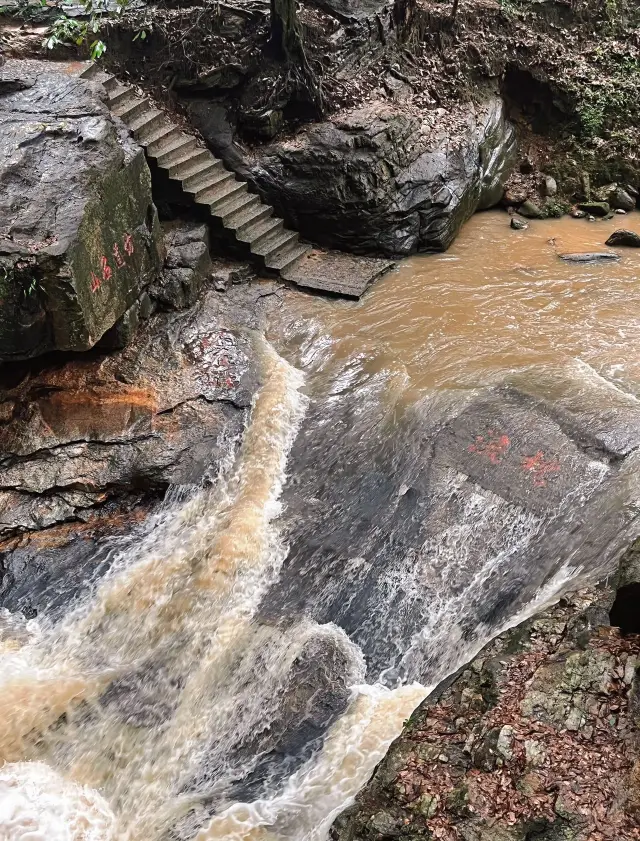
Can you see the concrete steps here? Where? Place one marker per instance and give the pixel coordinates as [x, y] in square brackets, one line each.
[201, 175]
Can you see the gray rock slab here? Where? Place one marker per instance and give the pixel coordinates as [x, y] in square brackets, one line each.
[337, 272]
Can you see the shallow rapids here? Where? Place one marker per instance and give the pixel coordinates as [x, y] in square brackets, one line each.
[434, 464]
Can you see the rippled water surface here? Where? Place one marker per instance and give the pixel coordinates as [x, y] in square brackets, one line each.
[497, 301]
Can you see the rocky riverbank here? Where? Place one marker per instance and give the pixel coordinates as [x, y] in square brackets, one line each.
[536, 738]
[416, 126]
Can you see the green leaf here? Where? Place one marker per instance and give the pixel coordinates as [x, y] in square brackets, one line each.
[98, 49]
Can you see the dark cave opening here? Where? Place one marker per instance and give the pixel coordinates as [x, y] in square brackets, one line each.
[625, 612]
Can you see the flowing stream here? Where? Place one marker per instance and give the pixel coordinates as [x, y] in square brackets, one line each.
[432, 465]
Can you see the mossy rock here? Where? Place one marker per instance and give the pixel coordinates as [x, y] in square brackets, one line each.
[80, 238]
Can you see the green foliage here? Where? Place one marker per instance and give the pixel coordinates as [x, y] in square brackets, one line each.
[508, 8]
[555, 209]
[29, 11]
[592, 118]
[22, 274]
[84, 31]
[612, 97]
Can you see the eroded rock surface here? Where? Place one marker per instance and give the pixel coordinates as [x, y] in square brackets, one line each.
[79, 237]
[537, 738]
[383, 179]
[459, 509]
[82, 431]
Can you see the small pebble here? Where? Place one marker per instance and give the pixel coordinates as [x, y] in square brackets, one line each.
[591, 218]
[620, 211]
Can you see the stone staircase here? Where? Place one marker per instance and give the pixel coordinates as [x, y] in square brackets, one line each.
[203, 176]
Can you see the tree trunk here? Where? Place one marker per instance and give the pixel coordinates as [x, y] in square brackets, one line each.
[286, 44]
[286, 32]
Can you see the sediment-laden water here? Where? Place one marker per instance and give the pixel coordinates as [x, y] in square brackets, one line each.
[429, 466]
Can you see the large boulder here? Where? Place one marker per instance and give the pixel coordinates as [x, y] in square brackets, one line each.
[383, 179]
[78, 228]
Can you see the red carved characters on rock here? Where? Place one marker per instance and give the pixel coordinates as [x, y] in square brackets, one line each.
[492, 446]
[541, 468]
[105, 269]
[117, 256]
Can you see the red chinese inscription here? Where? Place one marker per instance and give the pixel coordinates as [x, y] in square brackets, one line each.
[117, 255]
[106, 268]
[540, 468]
[493, 446]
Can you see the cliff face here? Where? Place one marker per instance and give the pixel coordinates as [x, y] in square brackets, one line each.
[538, 738]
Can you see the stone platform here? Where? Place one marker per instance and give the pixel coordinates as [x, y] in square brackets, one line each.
[337, 272]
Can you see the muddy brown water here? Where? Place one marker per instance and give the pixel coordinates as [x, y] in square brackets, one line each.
[499, 300]
[247, 659]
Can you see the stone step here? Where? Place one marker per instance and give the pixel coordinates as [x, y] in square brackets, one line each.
[147, 123]
[287, 257]
[164, 139]
[248, 215]
[200, 163]
[201, 182]
[174, 152]
[221, 189]
[91, 71]
[135, 109]
[120, 98]
[157, 133]
[259, 231]
[273, 243]
[232, 189]
[227, 209]
[110, 84]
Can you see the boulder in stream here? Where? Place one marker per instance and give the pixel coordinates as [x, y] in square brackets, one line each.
[591, 256]
[79, 236]
[595, 208]
[620, 199]
[628, 239]
[530, 210]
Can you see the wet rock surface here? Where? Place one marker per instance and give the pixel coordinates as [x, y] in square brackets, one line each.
[90, 444]
[625, 238]
[385, 180]
[79, 236]
[82, 430]
[591, 256]
[537, 738]
[471, 502]
[187, 265]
